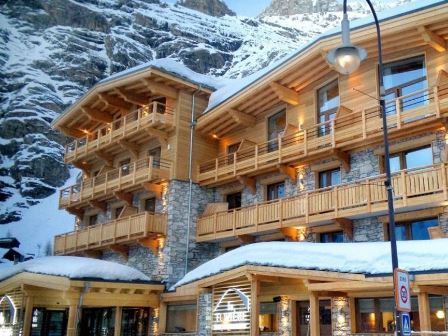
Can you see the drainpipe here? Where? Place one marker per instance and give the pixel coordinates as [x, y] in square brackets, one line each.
[85, 289]
[190, 174]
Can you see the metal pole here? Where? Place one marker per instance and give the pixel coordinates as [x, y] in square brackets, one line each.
[388, 181]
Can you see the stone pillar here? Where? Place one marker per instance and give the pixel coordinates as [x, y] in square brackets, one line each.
[340, 316]
[205, 313]
[285, 317]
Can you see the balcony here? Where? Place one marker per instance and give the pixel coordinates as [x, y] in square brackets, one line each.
[120, 231]
[155, 117]
[413, 189]
[125, 178]
[423, 109]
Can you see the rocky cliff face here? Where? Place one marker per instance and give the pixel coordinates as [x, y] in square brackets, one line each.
[292, 7]
[211, 7]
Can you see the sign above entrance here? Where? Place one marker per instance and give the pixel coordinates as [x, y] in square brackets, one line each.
[402, 290]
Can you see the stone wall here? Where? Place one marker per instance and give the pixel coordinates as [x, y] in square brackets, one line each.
[340, 316]
[205, 314]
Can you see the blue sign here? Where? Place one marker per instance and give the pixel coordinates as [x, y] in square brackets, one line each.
[405, 324]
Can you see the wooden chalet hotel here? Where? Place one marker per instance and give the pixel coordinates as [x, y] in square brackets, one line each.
[280, 226]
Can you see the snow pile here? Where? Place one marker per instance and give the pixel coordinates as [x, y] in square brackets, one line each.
[74, 268]
[367, 258]
[223, 94]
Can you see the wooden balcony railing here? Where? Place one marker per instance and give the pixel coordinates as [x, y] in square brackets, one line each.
[119, 231]
[412, 189]
[127, 176]
[348, 129]
[154, 115]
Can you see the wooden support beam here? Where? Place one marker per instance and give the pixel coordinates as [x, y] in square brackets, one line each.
[288, 171]
[84, 166]
[343, 157]
[73, 132]
[151, 243]
[157, 189]
[436, 290]
[131, 147]
[268, 279]
[246, 239]
[28, 316]
[285, 94]
[241, 118]
[435, 41]
[95, 254]
[124, 196]
[79, 213]
[290, 233]
[346, 226]
[160, 135]
[120, 249]
[342, 110]
[71, 321]
[442, 76]
[248, 182]
[254, 306]
[424, 312]
[106, 158]
[132, 97]
[115, 101]
[161, 89]
[102, 205]
[314, 323]
[330, 294]
[97, 115]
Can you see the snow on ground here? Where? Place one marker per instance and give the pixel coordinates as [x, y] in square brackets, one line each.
[75, 268]
[40, 222]
[368, 258]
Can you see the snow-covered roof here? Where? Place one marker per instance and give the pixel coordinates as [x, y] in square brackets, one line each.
[370, 258]
[235, 86]
[74, 268]
[172, 67]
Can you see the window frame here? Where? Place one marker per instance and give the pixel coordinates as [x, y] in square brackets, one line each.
[328, 112]
[329, 174]
[408, 226]
[274, 184]
[402, 157]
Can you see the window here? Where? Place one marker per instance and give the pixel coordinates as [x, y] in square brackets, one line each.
[303, 318]
[117, 212]
[181, 318]
[234, 200]
[276, 127]
[411, 159]
[135, 322]
[97, 321]
[332, 237]
[329, 178]
[275, 191]
[93, 219]
[233, 148]
[268, 317]
[404, 77]
[161, 104]
[125, 167]
[48, 322]
[415, 230]
[150, 204]
[328, 104]
[156, 154]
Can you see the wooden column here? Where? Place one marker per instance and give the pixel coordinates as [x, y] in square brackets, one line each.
[254, 307]
[423, 312]
[72, 320]
[314, 314]
[162, 317]
[117, 326]
[27, 319]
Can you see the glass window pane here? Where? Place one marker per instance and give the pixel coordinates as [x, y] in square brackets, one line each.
[420, 228]
[181, 318]
[335, 177]
[328, 97]
[395, 163]
[400, 232]
[419, 158]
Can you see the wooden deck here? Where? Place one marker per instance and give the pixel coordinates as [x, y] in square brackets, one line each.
[124, 178]
[413, 189]
[120, 231]
[349, 130]
[155, 115]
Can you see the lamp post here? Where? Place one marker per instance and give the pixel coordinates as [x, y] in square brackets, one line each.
[346, 59]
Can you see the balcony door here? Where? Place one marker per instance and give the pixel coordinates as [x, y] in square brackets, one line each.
[303, 318]
[47, 322]
[276, 127]
[402, 78]
[156, 153]
[328, 104]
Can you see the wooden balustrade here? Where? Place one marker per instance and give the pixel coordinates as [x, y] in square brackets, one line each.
[154, 115]
[127, 176]
[119, 231]
[348, 129]
[412, 188]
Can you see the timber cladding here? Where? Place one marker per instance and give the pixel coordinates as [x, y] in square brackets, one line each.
[231, 307]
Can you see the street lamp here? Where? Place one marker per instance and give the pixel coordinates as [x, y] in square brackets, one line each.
[346, 59]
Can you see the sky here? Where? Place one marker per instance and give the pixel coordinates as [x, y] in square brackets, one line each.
[243, 7]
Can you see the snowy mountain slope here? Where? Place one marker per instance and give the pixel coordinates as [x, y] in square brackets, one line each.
[52, 51]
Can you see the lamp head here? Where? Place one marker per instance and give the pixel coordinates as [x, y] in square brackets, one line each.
[347, 57]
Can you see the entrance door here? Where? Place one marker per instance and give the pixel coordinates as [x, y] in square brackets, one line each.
[303, 318]
[49, 322]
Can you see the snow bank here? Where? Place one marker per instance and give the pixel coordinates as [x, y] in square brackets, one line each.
[175, 68]
[367, 258]
[235, 86]
[74, 268]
